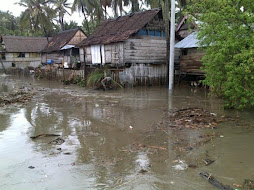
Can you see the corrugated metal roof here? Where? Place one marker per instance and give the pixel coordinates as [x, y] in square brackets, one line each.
[119, 29]
[190, 41]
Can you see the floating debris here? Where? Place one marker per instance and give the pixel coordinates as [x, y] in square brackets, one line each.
[193, 118]
[208, 161]
[57, 141]
[214, 182]
[44, 135]
[16, 97]
[180, 166]
[248, 184]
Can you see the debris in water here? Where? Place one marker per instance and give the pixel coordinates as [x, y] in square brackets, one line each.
[44, 135]
[180, 166]
[248, 184]
[208, 161]
[214, 182]
[16, 97]
[143, 171]
[193, 118]
[57, 141]
[31, 167]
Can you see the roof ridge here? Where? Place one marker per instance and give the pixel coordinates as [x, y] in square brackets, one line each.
[131, 14]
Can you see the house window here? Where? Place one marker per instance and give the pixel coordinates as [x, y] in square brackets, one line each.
[3, 57]
[158, 33]
[142, 32]
[21, 55]
[151, 32]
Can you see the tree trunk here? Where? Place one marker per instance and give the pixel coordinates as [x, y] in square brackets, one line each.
[87, 24]
[46, 33]
[2, 65]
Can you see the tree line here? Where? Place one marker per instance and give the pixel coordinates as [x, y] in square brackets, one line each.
[47, 17]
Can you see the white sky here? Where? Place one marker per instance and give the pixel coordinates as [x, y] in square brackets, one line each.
[9, 5]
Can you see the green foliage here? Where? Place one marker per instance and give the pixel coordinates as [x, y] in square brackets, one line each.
[227, 33]
[95, 77]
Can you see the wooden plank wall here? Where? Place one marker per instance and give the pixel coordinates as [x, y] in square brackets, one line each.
[145, 49]
[79, 36]
[144, 74]
[191, 63]
[114, 54]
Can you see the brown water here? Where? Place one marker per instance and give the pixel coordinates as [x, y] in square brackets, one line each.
[101, 132]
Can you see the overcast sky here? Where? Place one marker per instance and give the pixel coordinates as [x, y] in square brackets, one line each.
[16, 10]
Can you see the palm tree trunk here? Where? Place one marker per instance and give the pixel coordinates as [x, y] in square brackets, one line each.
[87, 24]
[46, 33]
[2, 65]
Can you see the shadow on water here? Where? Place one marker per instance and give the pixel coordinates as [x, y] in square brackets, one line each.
[111, 141]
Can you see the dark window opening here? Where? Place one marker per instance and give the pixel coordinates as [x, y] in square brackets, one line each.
[185, 52]
[75, 51]
[13, 64]
[3, 57]
[21, 55]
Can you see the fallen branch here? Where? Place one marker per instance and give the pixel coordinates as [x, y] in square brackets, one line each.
[44, 135]
[214, 182]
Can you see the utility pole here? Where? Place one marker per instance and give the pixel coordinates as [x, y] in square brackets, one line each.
[172, 47]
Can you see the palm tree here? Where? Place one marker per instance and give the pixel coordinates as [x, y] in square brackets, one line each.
[61, 9]
[83, 6]
[37, 15]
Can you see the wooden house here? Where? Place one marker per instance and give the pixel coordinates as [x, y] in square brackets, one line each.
[21, 52]
[135, 45]
[62, 49]
[190, 60]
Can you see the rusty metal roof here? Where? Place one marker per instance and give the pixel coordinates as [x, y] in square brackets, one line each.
[20, 44]
[60, 40]
[119, 29]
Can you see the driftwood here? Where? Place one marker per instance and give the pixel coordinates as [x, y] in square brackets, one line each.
[214, 182]
[44, 135]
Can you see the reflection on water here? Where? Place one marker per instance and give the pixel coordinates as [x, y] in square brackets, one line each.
[96, 129]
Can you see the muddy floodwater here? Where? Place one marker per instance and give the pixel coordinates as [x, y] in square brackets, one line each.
[116, 140]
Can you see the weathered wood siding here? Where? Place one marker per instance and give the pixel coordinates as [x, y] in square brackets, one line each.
[79, 36]
[144, 74]
[145, 49]
[57, 57]
[114, 54]
[191, 63]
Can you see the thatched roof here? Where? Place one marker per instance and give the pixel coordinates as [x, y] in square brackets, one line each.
[60, 40]
[19, 44]
[120, 29]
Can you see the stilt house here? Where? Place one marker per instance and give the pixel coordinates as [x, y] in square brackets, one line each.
[135, 45]
[61, 49]
[190, 61]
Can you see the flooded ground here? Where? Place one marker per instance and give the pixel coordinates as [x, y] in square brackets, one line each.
[116, 139]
